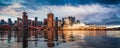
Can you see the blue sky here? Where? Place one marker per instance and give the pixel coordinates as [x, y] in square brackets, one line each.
[88, 11]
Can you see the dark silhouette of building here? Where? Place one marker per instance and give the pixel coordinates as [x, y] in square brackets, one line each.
[9, 22]
[69, 20]
[18, 23]
[63, 22]
[56, 22]
[50, 20]
[56, 28]
[36, 21]
[15, 22]
[29, 22]
[3, 22]
[25, 29]
[25, 19]
[73, 19]
[78, 21]
[45, 22]
[40, 23]
[60, 23]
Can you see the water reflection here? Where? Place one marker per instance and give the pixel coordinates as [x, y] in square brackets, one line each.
[9, 36]
[50, 38]
[61, 39]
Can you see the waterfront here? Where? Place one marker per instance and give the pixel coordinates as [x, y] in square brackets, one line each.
[64, 39]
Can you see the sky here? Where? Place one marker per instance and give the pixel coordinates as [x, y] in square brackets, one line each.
[87, 11]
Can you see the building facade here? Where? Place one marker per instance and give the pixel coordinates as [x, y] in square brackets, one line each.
[50, 20]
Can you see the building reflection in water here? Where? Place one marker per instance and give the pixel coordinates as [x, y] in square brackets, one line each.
[74, 35]
[48, 35]
[94, 38]
[50, 38]
[18, 35]
[9, 36]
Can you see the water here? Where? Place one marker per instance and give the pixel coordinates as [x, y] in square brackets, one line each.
[61, 39]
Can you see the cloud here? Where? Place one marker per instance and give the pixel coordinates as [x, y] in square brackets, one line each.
[5, 17]
[94, 14]
[70, 2]
[88, 11]
[7, 1]
[11, 10]
[34, 4]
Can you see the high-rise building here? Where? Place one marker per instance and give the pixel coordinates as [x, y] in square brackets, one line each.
[63, 22]
[40, 23]
[29, 22]
[78, 21]
[18, 23]
[32, 23]
[25, 19]
[69, 20]
[19, 20]
[36, 21]
[73, 19]
[56, 22]
[9, 22]
[25, 30]
[60, 23]
[45, 22]
[50, 20]
[3, 22]
[15, 22]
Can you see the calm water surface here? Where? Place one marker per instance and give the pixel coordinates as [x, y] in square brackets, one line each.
[61, 39]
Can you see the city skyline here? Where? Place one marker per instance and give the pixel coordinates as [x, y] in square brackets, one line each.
[59, 23]
[88, 11]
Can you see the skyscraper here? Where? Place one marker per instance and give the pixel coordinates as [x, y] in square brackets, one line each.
[25, 30]
[40, 23]
[3, 22]
[50, 20]
[60, 23]
[45, 22]
[73, 19]
[25, 19]
[18, 23]
[63, 22]
[15, 22]
[9, 22]
[36, 22]
[69, 20]
[29, 22]
[56, 22]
